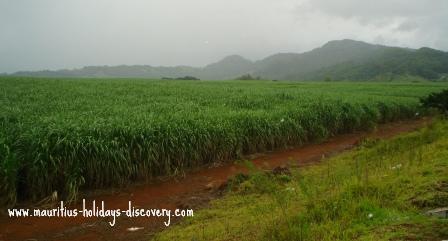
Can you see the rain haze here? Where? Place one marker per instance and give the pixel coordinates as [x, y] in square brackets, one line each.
[51, 34]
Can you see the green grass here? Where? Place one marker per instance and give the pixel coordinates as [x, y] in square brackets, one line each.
[376, 192]
[66, 134]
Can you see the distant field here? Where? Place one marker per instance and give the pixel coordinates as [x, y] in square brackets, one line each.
[62, 135]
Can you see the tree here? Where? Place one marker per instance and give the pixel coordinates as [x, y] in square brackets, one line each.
[187, 78]
[436, 100]
[248, 77]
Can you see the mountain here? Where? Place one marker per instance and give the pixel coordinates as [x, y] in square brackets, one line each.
[121, 71]
[387, 63]
[336, 60]
[228, 68]
[294, 66]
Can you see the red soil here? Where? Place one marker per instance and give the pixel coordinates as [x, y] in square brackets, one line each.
[194, 190]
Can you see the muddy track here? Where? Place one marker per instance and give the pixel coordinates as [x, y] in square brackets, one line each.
[194, 190]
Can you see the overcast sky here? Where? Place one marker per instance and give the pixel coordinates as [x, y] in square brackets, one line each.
[54, 34]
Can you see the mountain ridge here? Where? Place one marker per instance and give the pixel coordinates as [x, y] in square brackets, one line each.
[336, 60]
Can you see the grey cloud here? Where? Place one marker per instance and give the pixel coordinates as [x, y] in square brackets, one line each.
[371, 11]
[53, 34]
[410, 23]
[407, 26]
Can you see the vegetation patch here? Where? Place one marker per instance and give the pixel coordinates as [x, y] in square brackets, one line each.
[58, 136]
[380, 191]
[437, 100]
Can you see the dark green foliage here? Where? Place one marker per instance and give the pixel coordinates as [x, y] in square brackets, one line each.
[248, 77]
[181, 78]
[436, 100]
[187, 78]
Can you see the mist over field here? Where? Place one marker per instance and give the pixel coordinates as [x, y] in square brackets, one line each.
[50, 34]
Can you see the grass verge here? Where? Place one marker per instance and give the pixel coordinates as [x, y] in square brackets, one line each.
[380, 191]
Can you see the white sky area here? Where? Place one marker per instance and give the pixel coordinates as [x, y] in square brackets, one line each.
[55, 34]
